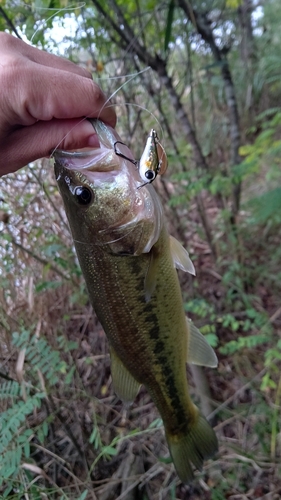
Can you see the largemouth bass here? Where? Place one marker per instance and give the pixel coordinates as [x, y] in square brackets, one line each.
[128, 261]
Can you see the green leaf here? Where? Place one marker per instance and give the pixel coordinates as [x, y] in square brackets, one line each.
[267, 206]
[83, 496]
[27, 449]
[48, 285]
[41, 4]
[212, 339]
[164, 460]
[109, 450]
[7, 491]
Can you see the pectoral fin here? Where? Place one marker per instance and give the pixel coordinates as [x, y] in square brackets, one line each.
[199, 352]
[180, 256]
[125, 386]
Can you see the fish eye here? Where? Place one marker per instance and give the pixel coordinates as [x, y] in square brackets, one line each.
[150, 175]
[83, 195]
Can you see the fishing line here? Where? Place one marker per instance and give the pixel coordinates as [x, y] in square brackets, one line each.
[105, 78]
[130, 75]
[121, 86]
[57, 11]
[147, 110]
[116, 105]
[134, 75]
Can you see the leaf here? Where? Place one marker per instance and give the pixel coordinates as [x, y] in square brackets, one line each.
[245, 150]
[109, 450]
[41, 4]
[267, 206]
[212, 339]
[7, 491]
[47, 285]
[83, 496]
[233, 4]
[164, 460]
[168, 31]
[27, 449]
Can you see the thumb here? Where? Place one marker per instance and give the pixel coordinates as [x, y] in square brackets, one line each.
[40, 139]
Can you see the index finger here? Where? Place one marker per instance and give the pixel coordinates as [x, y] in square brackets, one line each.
[21, 49]
[48, 93]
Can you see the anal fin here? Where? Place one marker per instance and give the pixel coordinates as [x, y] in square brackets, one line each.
[180, 256]
[125, 386]
[199, 351]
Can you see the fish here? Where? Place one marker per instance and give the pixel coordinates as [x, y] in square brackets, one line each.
[129, 263]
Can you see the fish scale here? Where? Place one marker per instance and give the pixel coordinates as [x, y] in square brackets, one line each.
[145, 326]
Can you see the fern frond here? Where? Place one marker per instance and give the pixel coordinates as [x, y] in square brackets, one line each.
[10, 389]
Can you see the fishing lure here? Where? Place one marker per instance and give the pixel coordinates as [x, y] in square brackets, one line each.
[153, 160]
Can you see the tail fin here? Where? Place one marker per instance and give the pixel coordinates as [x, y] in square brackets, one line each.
[198, 445]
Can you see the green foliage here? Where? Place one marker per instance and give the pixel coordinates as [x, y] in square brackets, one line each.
[23, 399]
[267, 206]
[203, 310]
[265, 150]
[15, 437]
[218, 493]
[272, 364]
[248, 342]
[40, 356]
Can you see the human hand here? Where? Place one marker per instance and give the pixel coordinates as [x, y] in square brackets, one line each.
[43, 99]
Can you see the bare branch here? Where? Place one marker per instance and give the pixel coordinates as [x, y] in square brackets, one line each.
[9, 22]
[203, 27]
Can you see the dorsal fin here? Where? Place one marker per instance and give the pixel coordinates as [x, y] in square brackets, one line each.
[180, 256]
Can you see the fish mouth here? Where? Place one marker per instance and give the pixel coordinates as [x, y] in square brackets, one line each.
[95, 166]
[84, 159]
[106, 164]
[98, 159]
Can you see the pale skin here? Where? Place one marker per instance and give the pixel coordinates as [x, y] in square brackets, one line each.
[43, 100]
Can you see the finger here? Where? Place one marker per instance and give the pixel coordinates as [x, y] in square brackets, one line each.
[30, 143]
[47, 93]
[10, 42]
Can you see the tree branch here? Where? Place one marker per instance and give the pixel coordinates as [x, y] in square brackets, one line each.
[159, 66]
[9, 23]
[203, 27]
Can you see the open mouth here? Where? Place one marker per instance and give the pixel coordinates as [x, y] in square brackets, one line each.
[86, 159]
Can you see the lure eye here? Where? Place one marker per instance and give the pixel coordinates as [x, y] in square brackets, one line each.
[150, 175]
[83, 195]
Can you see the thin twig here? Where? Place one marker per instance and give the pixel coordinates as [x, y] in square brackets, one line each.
[242, 389]
[40, 259]
[10, 23]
